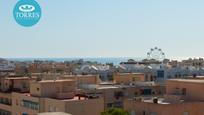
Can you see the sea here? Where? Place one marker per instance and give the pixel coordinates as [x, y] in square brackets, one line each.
[103, 60]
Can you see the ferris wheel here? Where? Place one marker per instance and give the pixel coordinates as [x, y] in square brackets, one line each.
[156, 53]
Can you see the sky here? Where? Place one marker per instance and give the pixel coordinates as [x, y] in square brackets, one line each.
[105, 28]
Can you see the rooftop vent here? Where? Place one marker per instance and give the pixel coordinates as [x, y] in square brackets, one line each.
[155, 100]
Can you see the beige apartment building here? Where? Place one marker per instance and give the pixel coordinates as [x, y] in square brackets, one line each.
[23, 104]
[48, 96]
[183, 97]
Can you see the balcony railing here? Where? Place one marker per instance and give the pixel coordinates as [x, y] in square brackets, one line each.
[5, 102]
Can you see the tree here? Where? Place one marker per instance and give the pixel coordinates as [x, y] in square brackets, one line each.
[115, 111]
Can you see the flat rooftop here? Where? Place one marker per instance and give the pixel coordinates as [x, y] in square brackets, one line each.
[76, 98]
[160, 101]
[188, 80]
[150, 100]
[16, 78]
[53, 113]
[129, 73]
[107, 87]
[55, 81]
[197, 77]
[89, 75]
[114, 86]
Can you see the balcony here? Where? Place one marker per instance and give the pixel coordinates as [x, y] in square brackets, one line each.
[6, 107]
[5, 101]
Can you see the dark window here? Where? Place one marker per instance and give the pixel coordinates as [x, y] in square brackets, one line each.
[143, 113]
[118, 94]
[147, 91]
[24, 114]
[29, 104]
[160, 74]
[184, 91]
[109, 105]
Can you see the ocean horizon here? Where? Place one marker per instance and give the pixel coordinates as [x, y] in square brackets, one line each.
[102, 60]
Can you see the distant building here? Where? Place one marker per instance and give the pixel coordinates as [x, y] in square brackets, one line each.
[6, 66]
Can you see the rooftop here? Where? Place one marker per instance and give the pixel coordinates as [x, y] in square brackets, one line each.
[160, 101]
[54, 81]
[114, 86]
[197, 77]
[53, 113]
[89, 75]
[187, 80]
[76, 98]
[130, 73]
[17, 78]
[107, 87]
[151, 100]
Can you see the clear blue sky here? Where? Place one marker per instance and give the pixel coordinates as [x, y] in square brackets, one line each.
[105, 28]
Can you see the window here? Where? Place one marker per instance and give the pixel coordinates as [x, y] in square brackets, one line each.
[3, 112]
[57, 89]
[143, 113]
[136, 93]
[147, 91]
[24, 114]
[5, 101]
[146, 78]
[185, 113]
[118, 94]
[118, 104]
[30, 104]
[160, 74]
[153, 113]
[133, 79]
[24, 85]
[132, 113]
[16, 102]
[50, 109]
[56, 109]
[184, 91]
[109, 105]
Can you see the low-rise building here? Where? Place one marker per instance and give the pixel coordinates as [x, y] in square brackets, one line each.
[49, 96]
[74, 94]
[183, 97]
[128, 78]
